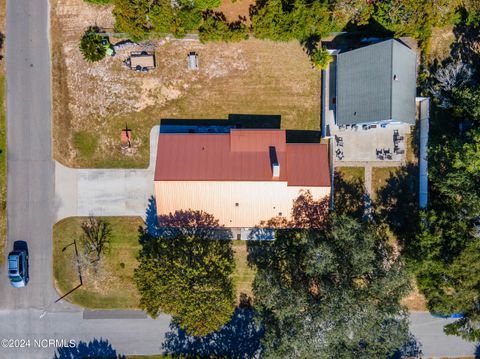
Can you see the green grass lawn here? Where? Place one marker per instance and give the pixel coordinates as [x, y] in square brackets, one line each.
[116, 289]
[380, 176]
[243, 275]
[3, 171]
[351, 174]
[85, 142]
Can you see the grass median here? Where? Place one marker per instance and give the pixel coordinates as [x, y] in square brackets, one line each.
[113, 287]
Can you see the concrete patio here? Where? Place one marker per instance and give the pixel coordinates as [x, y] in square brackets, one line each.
[361, 145]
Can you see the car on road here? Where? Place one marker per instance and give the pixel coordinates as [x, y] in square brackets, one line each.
[18, 268]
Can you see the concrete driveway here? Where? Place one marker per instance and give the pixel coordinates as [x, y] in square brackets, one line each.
[105, 192]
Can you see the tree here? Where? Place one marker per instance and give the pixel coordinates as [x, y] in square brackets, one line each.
[186, 272]
[454, 75]
[91, 45]
[291, 19]
[216, 28]
[331, 292]
[415, 18]
[207, 4]
[320, 58]
[355, 11]
[96, 238]
[447, 245]
[132, 17]
[467, 103]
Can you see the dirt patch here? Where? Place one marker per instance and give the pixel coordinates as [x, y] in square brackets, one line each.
[250, 77]
[415, 301]
[236, 10]
[441, 42]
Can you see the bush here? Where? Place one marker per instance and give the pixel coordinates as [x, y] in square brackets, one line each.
[320, 58]
[91, 45]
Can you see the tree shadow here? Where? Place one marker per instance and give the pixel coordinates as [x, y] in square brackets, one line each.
[411, 349]
[303, 136]
[467, 44]
[397, 203]
[239, 338]
[349, 196]
[183, 223]
[98, 349]
[355, 35]
[253, 121]
[151, 218]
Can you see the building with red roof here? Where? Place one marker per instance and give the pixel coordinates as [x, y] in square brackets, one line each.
[242, 177]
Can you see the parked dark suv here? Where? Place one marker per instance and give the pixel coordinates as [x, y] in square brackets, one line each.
[18, 268]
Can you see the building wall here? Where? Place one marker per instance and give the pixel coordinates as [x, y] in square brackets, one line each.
[257, 201]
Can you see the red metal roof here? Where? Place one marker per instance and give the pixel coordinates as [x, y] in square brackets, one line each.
[242, 155]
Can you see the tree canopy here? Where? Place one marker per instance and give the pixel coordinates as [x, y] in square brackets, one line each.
[91, 45]
[445, 251]
[330, 292]
[186, 272]
[448, 242]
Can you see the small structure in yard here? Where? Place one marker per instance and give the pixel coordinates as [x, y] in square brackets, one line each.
[109, 50]
[126, 138]
[141, 61]
[192, 61]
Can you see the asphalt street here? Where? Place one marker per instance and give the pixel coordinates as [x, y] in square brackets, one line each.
[30, 165]
[32, 205]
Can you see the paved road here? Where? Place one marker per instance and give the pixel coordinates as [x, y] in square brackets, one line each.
[434, 343]
[30, 165]
[126, 336]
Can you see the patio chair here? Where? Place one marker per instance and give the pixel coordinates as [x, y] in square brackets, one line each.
[388, 156]
[380, 157]
[395, 133]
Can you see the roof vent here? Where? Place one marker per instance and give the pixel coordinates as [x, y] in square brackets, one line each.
[395, 78]
[274, 162]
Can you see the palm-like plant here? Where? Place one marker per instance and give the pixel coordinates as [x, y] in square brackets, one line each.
[91, 45]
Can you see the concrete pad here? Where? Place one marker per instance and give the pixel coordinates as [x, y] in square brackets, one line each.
[105, 192]
[361, 145]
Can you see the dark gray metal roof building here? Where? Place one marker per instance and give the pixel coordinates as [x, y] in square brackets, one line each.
[376, 83]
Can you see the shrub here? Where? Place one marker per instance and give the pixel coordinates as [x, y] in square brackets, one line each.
[320, 58]
[91, 45]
